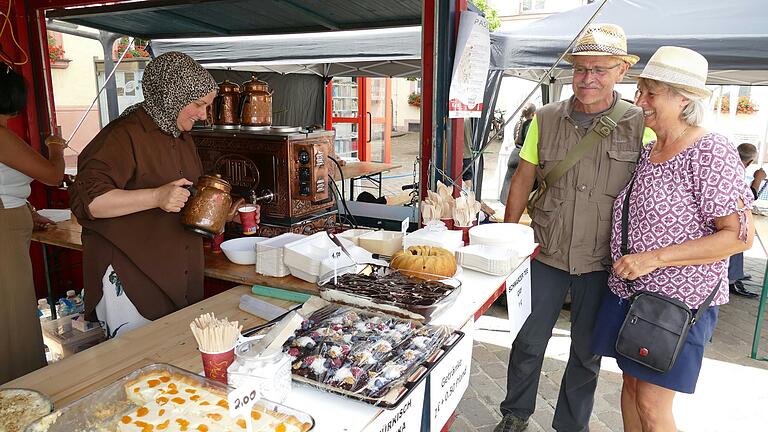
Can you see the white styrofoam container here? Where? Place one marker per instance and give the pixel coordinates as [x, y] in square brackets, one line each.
[381, 242]
[305, 256]
[354, 234]
[269, 255]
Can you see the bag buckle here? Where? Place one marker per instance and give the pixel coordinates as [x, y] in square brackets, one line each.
[604, 126]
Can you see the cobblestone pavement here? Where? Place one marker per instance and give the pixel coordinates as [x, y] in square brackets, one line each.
[732, 386]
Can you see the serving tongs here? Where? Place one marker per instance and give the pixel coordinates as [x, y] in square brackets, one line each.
[338, 243]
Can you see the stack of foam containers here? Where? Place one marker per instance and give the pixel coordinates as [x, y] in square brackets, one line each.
[307, 258]
[270, 255]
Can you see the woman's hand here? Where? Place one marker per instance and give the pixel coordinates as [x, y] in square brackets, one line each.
[172, 196]
[232, 214]
[41, 222]
[633, 266]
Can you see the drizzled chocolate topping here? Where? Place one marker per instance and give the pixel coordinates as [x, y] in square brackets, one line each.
[393, 287]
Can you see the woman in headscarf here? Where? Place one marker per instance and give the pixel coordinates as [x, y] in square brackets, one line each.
[139, 263]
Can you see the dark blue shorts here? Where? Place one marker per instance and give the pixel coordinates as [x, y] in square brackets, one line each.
[683, 375]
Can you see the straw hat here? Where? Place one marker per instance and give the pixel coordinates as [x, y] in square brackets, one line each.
[679, 67]
[602, 40]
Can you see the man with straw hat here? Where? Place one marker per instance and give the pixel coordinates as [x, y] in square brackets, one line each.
[582, 151]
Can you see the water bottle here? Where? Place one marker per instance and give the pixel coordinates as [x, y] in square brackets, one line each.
[64, 307]
[76, 302]
[43, 310]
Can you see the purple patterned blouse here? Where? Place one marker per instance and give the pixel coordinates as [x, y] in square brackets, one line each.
[676, 201]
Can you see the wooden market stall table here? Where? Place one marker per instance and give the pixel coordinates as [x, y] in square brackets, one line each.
[67, 235]
[365, 170]
[761, 229]
[169, 340]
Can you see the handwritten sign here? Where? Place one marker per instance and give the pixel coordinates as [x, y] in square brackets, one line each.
[404, 228]
[519, 297]
[405, 418]
[449, 380]
[470, 67]
[242, 399]
[334, 254]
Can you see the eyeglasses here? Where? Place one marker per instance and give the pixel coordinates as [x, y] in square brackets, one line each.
[597, 70]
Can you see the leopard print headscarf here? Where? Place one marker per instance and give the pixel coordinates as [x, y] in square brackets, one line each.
[170, 82]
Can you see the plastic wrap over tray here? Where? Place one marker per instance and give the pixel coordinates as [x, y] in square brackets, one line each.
[375, 358]
[420, 297]
[109, 407]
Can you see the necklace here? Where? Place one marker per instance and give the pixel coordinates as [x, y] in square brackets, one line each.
[673, 142]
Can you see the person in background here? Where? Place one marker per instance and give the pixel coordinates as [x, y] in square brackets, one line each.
[521, 131]
[572, 224]
[689, 211]
[21, 340]
[747, 154]
[139, 263]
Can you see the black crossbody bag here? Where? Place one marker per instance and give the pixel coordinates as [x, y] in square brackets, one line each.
[656, 326]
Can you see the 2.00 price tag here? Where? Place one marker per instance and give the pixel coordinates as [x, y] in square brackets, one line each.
[242, 399]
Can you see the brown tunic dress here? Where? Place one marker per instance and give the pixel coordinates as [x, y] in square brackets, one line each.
[159, 263]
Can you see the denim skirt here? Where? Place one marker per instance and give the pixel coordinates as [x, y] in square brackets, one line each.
[683, 375]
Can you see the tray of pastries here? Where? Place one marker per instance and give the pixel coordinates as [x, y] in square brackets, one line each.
[375, 358]
[161, 397]
[407, 294]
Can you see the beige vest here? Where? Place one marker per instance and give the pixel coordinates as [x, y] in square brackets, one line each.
[572, 221]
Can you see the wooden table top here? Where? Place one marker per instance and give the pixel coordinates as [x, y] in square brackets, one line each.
[165, 340]
[359, 169]
[67, 235]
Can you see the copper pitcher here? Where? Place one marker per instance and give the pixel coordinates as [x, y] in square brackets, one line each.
[225, 106]
[256, 104]
[208, 207]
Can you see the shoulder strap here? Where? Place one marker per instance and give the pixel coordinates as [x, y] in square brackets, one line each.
[625, 249]
[605, 126]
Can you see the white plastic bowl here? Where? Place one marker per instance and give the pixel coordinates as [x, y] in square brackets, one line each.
[241, 250]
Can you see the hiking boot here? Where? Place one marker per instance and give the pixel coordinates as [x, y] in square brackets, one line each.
[510, 423]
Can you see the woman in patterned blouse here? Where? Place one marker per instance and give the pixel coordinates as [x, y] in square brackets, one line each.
[688, 212]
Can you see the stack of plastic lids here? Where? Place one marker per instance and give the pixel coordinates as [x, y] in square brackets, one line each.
[508, 235]
[269, 255]
[435, 234]
[493, 260]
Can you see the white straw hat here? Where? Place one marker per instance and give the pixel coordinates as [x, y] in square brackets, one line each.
[602, 40]
[679, 67]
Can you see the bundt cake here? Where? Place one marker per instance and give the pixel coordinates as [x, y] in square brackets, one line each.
[420, 261]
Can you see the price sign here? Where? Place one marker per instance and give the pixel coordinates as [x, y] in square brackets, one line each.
[404, 228]
[406, 417]
[519, 297]
[241, 401]
[449, 380]
[334, 254]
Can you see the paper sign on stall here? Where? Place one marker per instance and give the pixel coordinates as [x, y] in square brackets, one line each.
[470, 67]
[519, 297]
[449, 380]
[242, 399]
[406, 417]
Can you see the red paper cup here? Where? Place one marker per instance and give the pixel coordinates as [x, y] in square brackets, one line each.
[216, 243]
[465, 231]
[215, 364]
[448, 222]
[248, 219]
